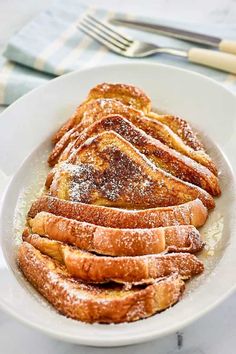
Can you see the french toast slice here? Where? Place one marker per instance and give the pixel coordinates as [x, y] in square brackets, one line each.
[100, 108]
[180, 127]
[136, 98]
[191, 213]
[87, 114]
[109, 171]
[97, 109]
[116, 242]
[95, 303]
[160, 154]
[129, 95]
[92, 268]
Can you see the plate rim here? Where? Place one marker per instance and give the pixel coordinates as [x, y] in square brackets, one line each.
[141, 62]
[110, 342]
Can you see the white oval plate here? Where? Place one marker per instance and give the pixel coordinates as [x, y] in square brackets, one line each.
[25, 130]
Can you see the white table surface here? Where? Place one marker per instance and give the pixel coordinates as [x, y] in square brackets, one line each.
[216, 332]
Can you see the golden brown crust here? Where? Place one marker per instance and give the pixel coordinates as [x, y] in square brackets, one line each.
[97, 109]
[180, 127]
[90, 267]
[127, 94]
[61, 145]
[65, 128]
[192, 213]
[185, 238]
[163, 133]
[160, 154]
[98, 178]
[109, 241]
[117, 242]
[93, 303]
[85, 115]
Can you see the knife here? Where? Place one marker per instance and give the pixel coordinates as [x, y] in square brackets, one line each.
[224, 45]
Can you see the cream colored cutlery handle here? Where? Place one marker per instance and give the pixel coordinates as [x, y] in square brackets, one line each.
[228, 46]
[214, 59]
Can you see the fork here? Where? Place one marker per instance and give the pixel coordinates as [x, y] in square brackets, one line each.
[128, 47]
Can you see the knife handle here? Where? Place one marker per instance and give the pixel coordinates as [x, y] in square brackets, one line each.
[215, 59]
[227, 46]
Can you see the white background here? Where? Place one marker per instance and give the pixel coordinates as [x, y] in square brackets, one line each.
[212, 334]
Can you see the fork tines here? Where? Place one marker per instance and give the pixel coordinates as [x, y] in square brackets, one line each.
[104, 34]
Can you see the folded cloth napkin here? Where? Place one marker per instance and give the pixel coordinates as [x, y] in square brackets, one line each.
[51, 45]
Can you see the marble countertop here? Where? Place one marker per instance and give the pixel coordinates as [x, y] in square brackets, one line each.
[214, 333]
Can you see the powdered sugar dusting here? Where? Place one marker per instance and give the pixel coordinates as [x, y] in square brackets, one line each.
[39, 170]
[212, 232]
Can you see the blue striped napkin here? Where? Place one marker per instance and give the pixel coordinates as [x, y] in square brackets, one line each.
[51, 45]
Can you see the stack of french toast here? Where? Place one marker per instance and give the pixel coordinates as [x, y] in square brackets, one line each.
[114, 235]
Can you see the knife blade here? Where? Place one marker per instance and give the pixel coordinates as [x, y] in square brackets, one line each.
[194, 37]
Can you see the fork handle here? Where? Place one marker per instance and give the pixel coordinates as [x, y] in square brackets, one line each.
[215, 59]
[227, 45]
